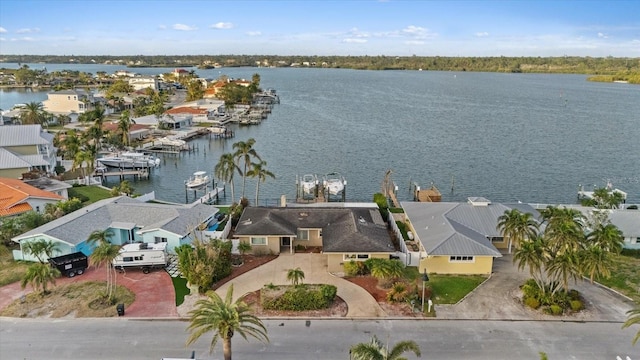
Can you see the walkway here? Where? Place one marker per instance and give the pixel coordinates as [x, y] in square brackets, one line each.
[361, 304]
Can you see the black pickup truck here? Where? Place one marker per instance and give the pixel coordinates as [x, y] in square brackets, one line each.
[70, 264]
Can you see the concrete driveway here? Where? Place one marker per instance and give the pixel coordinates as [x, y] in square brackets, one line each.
[360, 303]
[498, 299]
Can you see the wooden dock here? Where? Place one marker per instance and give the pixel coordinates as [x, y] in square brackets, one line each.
[431, 194]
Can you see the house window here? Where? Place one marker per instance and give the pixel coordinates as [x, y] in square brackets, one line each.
[258, 241]
[497, 239]
[303, 234]
[461, 258]
[160, 239]
[355, 257]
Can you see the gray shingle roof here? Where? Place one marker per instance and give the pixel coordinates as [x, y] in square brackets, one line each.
[75, 228]
[343, 229]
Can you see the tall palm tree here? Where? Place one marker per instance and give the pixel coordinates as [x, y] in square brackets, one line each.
[39, 275]
[258, 171]
[633, 317]
[565, 229]
[33, 113]
[376, 350]
[224, 318]
[103, 255]
[80, 158]
[40, 248]
[124, 126]
[564, 266]
[594, 260]
[517, 226]
[532, 253]
[225, 169]
[98, 237]
[608, 237]
[295, 276]
[244, 152]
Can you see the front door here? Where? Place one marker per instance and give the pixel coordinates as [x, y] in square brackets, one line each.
[285, 241]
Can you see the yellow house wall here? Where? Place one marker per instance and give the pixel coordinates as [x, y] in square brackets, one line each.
[272, 246]
[13, 173]
[335, 261]
[61, 103]
[482, 265]
[314, 239]
[23, 149]
[501, 245]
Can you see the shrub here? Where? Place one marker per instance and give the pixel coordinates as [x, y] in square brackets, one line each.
[574, 294]
[555, 309]
[299, 298]
[532, 302]
[399, 292]
[631, 253]
[354, 268]
[576, 305]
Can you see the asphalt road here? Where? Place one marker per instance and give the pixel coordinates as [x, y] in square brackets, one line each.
[318, 339]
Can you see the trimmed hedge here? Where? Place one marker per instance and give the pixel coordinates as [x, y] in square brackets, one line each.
[298, 298]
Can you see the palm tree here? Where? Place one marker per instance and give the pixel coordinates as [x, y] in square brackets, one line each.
[244, 152]
[224, 318]
[517, 226]
[33, 113]
[124, 126]
[565, 229]
[376, 350]
[295, 276]
[385, 269]
[225, 169]
[633, 317]
[103, 255]
[40, 248]
[100, 236]
[608, 237]
[39, 275]
[532, 253]
[594, 260]
[258, 171]
[564, 266]
[80, 158]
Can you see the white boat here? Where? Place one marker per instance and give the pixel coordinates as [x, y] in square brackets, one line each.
[218, 129]
[171, 141]
[129, 160]
[197, 180]
[334, 183]
[308, 183]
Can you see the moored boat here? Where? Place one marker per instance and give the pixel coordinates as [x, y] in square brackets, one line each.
[334, 183]
[129, 160]
[198, 180]
[309, 183]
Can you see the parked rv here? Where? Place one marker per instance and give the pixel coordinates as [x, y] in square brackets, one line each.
[144, 256]
[71, 264]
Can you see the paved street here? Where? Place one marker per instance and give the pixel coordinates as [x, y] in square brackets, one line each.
[121, 338]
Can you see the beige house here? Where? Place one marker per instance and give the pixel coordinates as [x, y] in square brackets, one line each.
[68, 101]
[459, 238]
[25, 148]
[343, 234]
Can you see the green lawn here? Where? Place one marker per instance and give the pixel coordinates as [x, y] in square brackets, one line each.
[446, 289]
[625, 276]
[180, 286]
[92, 193]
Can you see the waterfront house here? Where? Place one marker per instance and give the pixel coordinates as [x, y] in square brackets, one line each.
[18, 197]
[459, 238]
[68, 101]
[129, 220]
[144, 82]
[342, 234]
[25, 148]
[628, 221]
[197, 114]
[51, 185]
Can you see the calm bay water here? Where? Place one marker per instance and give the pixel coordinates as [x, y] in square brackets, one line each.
[508, 137]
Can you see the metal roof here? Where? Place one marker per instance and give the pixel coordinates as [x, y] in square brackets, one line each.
[9, 160]
[17, 135]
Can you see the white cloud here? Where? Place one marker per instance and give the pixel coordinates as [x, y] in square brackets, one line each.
[183, 27]
[415, 31]
[26, 38]
[222, 26]
[482, 34]
[27, 30]
[603, 35]
[253, 33]
[162, 27]
[354, 41]
[3, 39]
[3, 30]
[414, 42]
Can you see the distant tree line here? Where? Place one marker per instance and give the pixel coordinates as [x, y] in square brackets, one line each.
[530, 64]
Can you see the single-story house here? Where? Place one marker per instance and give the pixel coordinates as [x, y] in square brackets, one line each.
[129, 220]
[51, 185]
[17, 197]
[459, 238]
[342, 233]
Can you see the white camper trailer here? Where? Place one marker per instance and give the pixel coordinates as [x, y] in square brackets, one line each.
[141, 255]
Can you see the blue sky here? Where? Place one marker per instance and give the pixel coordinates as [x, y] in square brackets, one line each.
[364, 27]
